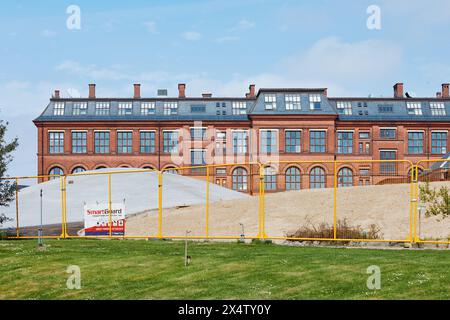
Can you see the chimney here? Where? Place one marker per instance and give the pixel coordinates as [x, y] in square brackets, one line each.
[445, 91]
[92, 91]
[206, 95]
[251, 91]
[181, 90]
[438, 94]
[137, 91]
[56, 94]
[398, 90]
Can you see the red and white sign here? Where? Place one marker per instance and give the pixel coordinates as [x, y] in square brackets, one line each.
[97, 219]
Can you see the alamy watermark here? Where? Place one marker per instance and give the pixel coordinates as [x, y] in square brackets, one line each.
[73, 21]
[74, 280]
[374, 280]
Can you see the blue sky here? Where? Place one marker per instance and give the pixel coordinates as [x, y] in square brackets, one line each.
[213, 46]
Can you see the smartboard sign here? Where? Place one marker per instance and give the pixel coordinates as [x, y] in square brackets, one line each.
[97, 219]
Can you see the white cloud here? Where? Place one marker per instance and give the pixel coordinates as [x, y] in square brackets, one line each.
[191, 35]
[243, 25]
[151, 27]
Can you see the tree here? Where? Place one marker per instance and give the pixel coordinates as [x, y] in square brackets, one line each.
[437, 200]
[7, 187]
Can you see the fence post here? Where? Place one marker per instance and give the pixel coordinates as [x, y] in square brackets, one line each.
[415, 200]
[334, 201]
[207, 202]
[109, 205]
[17, 208]
[262, 232]
[160, 181]
[63, 208]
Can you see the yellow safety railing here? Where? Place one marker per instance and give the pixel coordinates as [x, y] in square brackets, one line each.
[382, 172]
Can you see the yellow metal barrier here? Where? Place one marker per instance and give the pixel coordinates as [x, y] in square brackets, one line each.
[403, 176]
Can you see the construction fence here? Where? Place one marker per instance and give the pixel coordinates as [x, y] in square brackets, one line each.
[330, 200]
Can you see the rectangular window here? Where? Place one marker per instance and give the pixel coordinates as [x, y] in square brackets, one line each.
[388, 167]
[239, 142]
[270, 101]
[414, 108]
[364, 135]
[170, 141]
[198, 133]
[125, 108]
[439, 142]
[269, 141]
[124, 142]
[221, 135]
[344, 142]
[292, 141]
[198, 157]
[344, 107]
[239, 107]
[415, 142]
[56, 142]
[79, 108]
[314, 101]
[221, 171]
[198, 108]
[147, 108]
[102, 108]
[385, 108]
[437, 109]
[170, 108]
[58, 109]
[388, 133]
[101, 141]
[292, 102]
[147, 141]
[317, 141]
[79, 141]
[364, 172]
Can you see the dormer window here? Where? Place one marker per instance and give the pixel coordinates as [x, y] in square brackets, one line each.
[102, 108]
[58, 109]
[270, 101]
[239, 107]
[147, 108]
[414, 108]
[125, 108]
[344, 107]
[79, 108]
[170, 108]
[437, 109]
[315, 102]
[292, 102]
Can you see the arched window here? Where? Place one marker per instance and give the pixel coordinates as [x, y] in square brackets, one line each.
[292, 178]
[270, 178]
[345, 177]
[55, 171]
[78, 170]
[172, 170]
[239, 177]
[148, 168]
[317, 178]
[100, 167]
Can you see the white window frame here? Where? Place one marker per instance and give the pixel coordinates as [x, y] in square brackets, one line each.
[270, 101]
[414, 108]
[59, 108]
[345, 106]
[293, 101]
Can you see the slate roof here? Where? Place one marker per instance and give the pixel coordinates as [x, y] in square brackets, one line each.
[220, 108]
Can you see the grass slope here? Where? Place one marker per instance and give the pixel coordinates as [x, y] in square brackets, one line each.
[155, 270]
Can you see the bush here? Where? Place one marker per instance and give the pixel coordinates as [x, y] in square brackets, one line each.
[343, 231]
[437, 201]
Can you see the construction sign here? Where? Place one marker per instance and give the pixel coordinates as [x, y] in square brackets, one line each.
[97, 219]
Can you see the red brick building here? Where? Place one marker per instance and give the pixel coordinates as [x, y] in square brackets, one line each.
[279, 125]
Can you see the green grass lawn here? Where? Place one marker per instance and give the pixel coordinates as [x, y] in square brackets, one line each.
[133, 269]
